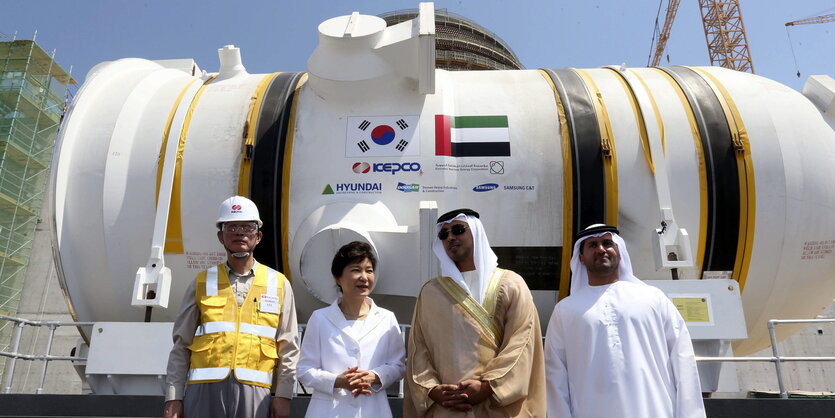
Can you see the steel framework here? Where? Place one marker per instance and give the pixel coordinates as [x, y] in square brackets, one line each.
[670, 17]
[813, 20]
[462, 44]
[727, 43]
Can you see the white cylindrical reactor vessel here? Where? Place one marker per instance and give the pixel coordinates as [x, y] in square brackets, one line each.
[740, 163]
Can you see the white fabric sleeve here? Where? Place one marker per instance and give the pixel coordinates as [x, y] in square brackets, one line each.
[287, 340]
[311, 373]
[689, 403]
[394, 367]
[180, 357]
[556, 370]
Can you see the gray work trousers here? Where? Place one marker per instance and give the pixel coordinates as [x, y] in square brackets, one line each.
[226, 399]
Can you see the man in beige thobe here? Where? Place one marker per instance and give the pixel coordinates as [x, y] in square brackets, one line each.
[475, 348]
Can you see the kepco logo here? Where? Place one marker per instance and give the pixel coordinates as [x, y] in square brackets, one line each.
[393, 168]
[362, 167]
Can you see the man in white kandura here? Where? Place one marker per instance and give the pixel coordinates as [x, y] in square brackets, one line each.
[235, 337]
[617, 347]
[475, 349]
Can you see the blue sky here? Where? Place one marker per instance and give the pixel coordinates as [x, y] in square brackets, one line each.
[280, 35]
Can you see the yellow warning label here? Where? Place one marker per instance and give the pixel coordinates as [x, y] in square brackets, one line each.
[692, 309]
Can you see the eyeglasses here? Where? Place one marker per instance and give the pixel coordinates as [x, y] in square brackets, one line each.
[245, 229]
[456, 229]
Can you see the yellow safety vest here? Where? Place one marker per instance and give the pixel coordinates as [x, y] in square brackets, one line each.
[232, 338]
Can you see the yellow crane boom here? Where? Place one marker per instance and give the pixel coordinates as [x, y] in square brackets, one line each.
[665, 32]
[813, 20]
[727, 43]
[807, 21]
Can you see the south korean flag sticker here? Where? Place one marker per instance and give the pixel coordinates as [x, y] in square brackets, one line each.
[382, 136]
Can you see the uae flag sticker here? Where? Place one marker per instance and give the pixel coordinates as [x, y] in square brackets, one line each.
[472, 136]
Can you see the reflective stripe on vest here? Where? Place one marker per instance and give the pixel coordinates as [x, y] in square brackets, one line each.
[208, 373]
[220, 326]
[212, 327]
[211, 281]
[272, 282]
[260, 330]
[254, 376]
[219, 373]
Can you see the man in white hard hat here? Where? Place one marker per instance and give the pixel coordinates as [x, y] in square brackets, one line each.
[236, 336]
[617, 346]
[475, 348]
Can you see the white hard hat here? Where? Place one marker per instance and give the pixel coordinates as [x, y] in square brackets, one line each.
[238, 208]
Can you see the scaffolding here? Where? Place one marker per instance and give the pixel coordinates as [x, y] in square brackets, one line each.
[33, 93]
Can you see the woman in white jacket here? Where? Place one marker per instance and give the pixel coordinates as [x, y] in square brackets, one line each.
[352, 350]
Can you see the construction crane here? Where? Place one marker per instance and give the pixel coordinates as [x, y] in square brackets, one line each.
[670, 17]
[727, 43]
[813, 20]
[806, 21]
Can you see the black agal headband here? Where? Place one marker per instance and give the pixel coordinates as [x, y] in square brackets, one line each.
[451, 214]
[595, 229]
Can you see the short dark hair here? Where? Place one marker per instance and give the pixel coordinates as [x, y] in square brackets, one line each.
[352, 252]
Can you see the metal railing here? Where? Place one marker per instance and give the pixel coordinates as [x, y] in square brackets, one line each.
[14, 355]
[19, 323]
[777, 359]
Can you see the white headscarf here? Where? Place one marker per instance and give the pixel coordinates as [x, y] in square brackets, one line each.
[483, 256]
[579, 272]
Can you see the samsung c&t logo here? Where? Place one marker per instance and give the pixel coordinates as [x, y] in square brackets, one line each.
[364, 167]
[486, 187]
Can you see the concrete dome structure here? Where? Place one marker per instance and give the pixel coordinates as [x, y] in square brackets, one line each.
[462, 44]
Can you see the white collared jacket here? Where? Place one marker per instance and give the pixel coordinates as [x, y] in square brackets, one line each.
[328, 349]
